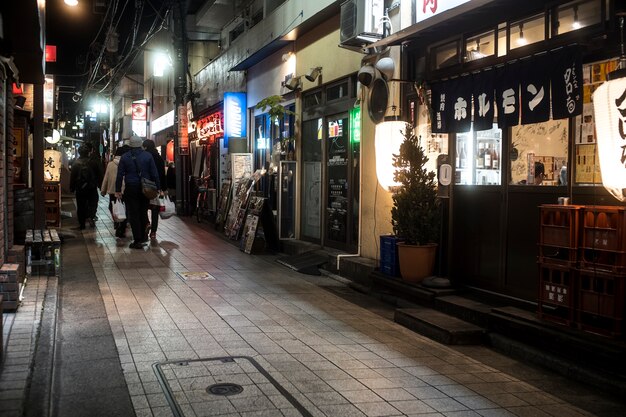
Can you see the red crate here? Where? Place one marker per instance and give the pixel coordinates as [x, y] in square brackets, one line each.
[558, 256]
[603, 228]
[556, 294]
[559, 225]
[600, 302]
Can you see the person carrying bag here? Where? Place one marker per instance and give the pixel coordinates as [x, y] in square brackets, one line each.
[138, 172]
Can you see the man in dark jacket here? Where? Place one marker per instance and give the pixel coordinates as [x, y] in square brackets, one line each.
[96, 164]
[134, 165]
[83, 181]
[150, 147]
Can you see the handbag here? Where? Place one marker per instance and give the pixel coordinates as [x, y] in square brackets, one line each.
[170, 208]
[148, 187]
[119, 211]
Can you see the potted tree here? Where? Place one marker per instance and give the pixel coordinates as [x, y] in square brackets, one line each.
[415, 214]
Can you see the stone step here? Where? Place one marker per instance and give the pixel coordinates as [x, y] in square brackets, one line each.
[439, 326]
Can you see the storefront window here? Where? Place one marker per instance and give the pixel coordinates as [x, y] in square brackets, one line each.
[527, 31]
[577, 15]
[478, 157]
[446, 55]
[480, 46]
[337, 91]
[538, 153]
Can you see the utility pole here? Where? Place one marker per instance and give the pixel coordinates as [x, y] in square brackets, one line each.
[181, 142]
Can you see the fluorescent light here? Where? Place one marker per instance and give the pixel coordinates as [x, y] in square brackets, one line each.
[71, 3]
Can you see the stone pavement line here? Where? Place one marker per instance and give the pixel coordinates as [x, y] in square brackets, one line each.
[21, 330]
[335, 358]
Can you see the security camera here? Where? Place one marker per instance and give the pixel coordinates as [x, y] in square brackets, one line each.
[367, 74]
[293, 83]
[313, 73]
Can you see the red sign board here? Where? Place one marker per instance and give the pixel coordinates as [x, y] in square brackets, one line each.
[211, 127]
[183, 138]
[18, 89]
[51, 53]
[139, 110]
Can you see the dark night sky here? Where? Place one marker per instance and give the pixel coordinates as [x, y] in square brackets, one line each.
[74, 29]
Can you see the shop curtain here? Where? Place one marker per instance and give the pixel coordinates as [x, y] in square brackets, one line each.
[535, 86]
[484, 104]
[507, 95]
[567, 83]
[439, 102]
[459, 107]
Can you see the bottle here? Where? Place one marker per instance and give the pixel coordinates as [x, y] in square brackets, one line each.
[487, 158]
[480, 156]
[463, 157]
[495, 159]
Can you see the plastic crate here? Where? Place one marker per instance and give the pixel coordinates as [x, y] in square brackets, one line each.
[556, 294]
[559, 225]
[600, 302]
[389, 264]
[603, 239]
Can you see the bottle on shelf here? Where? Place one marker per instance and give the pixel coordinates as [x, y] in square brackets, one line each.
[462, 156]
[488, 157]
[495, 159]
[480, 156]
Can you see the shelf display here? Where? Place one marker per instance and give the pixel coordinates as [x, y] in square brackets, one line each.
[478, 156]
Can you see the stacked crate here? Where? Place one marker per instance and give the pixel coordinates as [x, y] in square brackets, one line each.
[558, 256]
[582, 267]
[10, 285]
[602, 270]
[43, 249]
[389, 264]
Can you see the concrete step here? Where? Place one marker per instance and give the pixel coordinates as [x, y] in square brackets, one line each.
[439, 326]
[463, 308]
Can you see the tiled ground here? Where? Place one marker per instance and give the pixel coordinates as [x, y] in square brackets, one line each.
[334, 357]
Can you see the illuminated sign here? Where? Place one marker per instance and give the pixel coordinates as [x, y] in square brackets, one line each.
[18, 89]
[210, 127]
[162, 122]
[139, 110]
[51, 53]
[234, 116]
[183, 137]
[355, 124]
[425, 9]
[48, 97]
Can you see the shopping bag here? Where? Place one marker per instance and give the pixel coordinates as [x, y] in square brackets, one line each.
[157, 203]
[169, 208]
[119, 211]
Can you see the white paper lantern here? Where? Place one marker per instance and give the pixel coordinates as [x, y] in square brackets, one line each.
[608, 100]
[389, 137]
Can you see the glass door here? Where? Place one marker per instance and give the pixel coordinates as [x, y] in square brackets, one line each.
[311, 221]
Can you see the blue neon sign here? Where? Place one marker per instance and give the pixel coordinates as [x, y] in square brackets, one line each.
[235, 110]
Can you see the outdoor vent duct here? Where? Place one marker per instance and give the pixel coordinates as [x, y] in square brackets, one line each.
[359, 20]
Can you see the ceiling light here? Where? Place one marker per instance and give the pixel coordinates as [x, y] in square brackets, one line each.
[71, 3]
[576, 24]
[521, 41]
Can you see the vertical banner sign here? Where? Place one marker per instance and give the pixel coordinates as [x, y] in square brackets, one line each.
[48, 98]
[355, 125]
[191, 123]
[567, 83]
[507, 95]
[183, 137]
[459, 109]
[234, 116]
[439, 102]
[609, 106]
[138, 115]
[535, 85]
[484, 104]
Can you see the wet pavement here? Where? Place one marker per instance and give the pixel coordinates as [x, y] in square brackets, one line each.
[192, 326]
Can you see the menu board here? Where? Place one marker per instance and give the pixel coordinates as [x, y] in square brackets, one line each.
[337, 168]
[222, 204]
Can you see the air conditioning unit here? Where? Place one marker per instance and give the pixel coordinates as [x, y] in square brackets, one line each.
[360, 20]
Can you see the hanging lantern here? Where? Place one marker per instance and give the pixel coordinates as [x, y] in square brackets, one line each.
[389, 137]
[608, 101]
[169, 151]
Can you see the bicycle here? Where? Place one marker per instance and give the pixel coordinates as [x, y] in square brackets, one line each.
[202, 201]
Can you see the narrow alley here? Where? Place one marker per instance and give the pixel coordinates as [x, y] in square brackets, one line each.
[193, 326]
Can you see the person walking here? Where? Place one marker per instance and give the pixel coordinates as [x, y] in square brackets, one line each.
[108, 187]
[96, 164]
[153, 224]
[83, 182]
[133, 166]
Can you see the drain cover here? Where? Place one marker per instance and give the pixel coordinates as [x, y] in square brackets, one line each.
[225, 389]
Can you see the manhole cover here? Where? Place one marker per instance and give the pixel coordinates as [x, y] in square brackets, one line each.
[195, 276]
[225, 389]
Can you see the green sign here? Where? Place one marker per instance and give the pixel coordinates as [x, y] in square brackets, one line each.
[355, 124]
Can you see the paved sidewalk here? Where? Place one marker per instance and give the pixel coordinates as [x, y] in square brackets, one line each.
[258, 339]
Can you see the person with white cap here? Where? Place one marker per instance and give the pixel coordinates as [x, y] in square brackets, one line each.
[133, 166]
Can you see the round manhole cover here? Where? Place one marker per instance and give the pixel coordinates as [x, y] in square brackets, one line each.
[224, 389]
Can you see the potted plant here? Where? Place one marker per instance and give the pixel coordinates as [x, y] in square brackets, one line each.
[415, 214]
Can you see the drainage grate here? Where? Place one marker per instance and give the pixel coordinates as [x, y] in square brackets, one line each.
[227, 385]
[195, 276]
[225, 389]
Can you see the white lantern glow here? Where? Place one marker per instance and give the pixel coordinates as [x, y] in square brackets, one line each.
[608, 100]
[389, 137]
